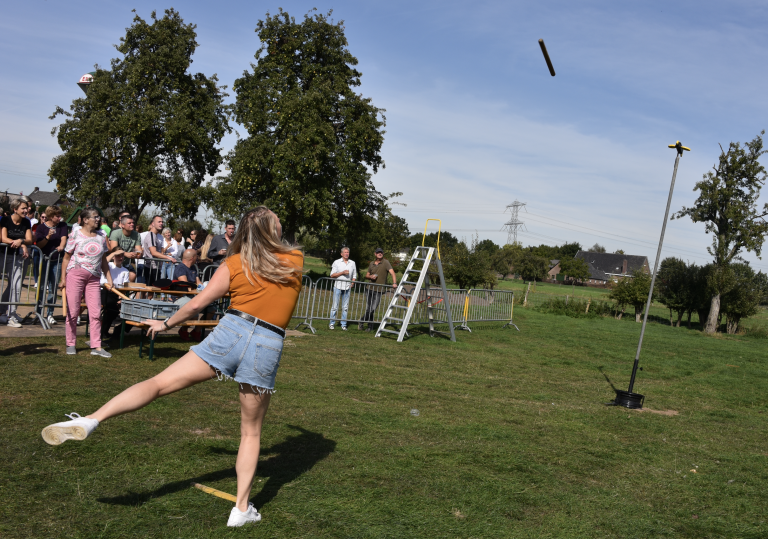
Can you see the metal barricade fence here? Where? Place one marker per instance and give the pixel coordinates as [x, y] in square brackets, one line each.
[208, 272]
[363, 297]
[456, 297]
[484, 305]
[304, 303]
[16, 269]
[48, 292]
[150, 270]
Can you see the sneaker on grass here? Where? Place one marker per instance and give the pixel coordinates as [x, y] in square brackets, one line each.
[77, 428]
[100, 352]
[238, 518]
[71, 351]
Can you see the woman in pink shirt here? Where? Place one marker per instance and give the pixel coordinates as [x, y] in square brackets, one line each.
[83, 264]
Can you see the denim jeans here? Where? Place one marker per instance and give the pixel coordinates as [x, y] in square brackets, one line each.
[372, 299]
[36, 265]
[244, 351]
[15, 268]
[344, 295]
[48, 289]
[166, 272]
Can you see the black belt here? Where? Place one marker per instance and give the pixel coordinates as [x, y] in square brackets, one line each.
[257, 321]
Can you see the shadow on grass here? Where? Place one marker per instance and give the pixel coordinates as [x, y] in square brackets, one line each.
[293, 457]
[613, 387]
[27, 350]
[423, 330]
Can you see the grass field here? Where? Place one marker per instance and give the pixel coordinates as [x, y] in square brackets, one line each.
[316, 266]
[512, 438]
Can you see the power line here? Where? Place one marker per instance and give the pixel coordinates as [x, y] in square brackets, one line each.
[632, 241]
[23, 174]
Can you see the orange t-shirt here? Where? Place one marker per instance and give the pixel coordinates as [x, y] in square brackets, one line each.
[268, 301]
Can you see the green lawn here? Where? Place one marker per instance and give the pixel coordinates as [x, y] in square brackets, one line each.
[512, 438]
[316, 265]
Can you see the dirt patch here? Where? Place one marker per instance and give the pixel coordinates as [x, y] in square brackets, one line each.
[668, 413]
[294, 333]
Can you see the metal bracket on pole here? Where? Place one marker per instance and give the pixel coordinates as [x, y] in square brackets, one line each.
[627, 398]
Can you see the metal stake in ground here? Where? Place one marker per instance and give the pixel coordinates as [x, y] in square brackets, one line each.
[627, 398]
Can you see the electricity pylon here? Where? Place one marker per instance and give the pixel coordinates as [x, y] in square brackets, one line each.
[514, 224]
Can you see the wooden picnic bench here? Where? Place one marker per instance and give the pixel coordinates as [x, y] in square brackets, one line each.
[189, 323]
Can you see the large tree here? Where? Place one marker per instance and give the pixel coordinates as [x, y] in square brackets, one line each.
[147, 131]
[632, 291]
[467, 265]
[531, 267]
[673, 287]
[743, 299]
[380, 229]
[504, 259]
[576, 269]
[447, 240]
[312, 141]
[728, 205]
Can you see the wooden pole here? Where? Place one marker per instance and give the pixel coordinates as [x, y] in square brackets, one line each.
[114, 290]
[525, 299]
[217, 493]
[546, 57]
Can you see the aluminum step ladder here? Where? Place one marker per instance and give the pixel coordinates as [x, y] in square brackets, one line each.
[427, 270]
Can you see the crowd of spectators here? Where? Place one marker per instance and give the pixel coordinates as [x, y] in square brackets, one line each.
[88, 257]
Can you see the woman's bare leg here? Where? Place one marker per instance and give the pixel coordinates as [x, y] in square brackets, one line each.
[186, 371]
[253, 408]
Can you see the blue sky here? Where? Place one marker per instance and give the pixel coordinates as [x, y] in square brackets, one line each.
[474, 120]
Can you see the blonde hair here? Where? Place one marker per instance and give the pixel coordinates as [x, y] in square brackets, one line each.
[204, 249]
[258, 243]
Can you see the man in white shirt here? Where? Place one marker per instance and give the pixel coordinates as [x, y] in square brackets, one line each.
[109, 299]
[152, 244]
[345, 273]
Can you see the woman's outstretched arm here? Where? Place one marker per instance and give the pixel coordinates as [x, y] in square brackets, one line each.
[217, 287]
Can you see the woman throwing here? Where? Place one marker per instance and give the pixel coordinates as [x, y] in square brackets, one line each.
[263, 277]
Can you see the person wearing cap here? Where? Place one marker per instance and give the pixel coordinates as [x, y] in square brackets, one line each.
[344, 271]
[110, 300]
[377, 273]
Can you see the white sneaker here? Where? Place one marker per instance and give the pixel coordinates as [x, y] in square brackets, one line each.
[78, 321]
[13, 323]
[51, 319]
[238, 518]
[77, 428]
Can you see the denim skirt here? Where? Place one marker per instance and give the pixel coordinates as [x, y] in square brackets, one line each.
[243, 351]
